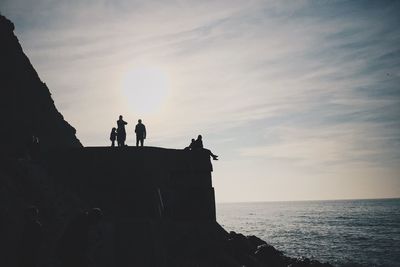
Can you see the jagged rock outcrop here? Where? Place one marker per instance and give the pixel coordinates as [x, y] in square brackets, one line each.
[26, 106]
[159, 207]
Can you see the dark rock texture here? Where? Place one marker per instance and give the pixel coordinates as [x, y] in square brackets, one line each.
[26, 106]
[158, 204]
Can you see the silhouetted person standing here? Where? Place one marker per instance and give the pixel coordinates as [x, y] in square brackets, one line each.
[140, 131]
[113, 136]
[198, 144]
[121, 133]
[31, 239]
[74, 244]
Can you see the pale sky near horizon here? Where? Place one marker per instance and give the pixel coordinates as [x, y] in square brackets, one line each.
[300, 99]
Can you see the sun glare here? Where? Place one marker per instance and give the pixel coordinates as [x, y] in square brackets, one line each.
[145, 89]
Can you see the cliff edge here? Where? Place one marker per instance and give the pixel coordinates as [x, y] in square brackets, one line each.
[158, 204]
[26, 106]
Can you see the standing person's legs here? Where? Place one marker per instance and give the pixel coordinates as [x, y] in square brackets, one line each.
[141, 141]
[137, 140]
[120, 137]
[123, 140]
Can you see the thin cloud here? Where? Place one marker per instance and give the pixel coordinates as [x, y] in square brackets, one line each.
[304, 85]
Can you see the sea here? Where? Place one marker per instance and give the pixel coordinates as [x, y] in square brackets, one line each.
[345, 233]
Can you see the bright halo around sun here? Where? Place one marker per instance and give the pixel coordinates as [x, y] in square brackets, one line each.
[145, 88]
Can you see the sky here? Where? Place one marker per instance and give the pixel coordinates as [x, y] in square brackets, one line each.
[300, 99]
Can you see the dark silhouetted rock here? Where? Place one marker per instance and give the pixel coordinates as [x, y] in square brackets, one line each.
[158, 204]
[267, 254]
[26, 106]
[305, 262]
[255, 241]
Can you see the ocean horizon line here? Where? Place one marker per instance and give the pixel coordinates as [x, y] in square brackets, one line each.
[308, 200]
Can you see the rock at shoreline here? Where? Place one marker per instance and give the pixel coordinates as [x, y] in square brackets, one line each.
[254, 252]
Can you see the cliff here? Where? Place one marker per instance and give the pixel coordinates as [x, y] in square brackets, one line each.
[26, 106]
[158, 204]
[144, 182]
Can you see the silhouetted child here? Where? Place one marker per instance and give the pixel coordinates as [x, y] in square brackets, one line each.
[113, 136]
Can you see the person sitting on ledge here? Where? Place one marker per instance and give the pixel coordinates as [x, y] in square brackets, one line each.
[113, 136]
[192, 144]
[198, 144]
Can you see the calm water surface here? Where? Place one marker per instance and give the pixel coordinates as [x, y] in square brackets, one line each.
[343, 232]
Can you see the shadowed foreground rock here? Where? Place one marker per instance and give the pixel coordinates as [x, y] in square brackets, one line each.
[158, 211]
[26, 106]
[158, 204]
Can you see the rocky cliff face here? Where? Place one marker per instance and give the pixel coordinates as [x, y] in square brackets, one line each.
[26, 106]
[158, 204]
